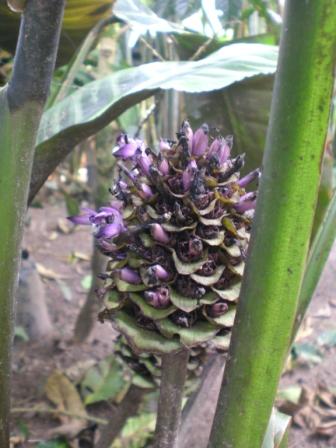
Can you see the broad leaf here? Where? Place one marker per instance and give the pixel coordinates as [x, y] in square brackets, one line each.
[95, 105]
[142, 18]
[224, 67]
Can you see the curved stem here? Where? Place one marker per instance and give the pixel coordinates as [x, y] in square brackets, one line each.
[174, 370]
[282, 225]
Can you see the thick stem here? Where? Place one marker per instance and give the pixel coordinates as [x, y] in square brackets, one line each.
[126, 409]
[21, 106]
[174, 371]
[282, 224]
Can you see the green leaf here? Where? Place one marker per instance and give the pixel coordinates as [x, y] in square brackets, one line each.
[143, 19]
[231, 294]
[90, 103]
[209, 280]
[198, 333]
[20, 332]
[128, 287]
[142, 340]
[226, 320]
[186, 304]
[53, 444]
[86, 282]
[148, 310]
[184, 268]
[104, 381]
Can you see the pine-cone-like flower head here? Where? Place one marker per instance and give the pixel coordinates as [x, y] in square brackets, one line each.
[176, 234]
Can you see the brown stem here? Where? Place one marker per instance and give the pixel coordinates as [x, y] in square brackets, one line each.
[88, 313]
[127, 408]
[174, 370]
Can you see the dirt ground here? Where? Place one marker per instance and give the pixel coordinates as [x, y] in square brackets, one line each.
[33, 362]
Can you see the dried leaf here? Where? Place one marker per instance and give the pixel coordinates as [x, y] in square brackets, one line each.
[64, 226]
[63, 394]
[48, 273]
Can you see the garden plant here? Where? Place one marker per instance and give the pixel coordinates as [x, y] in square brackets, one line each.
[200, 259]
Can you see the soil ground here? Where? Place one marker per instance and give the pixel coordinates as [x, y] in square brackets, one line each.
[33, 362]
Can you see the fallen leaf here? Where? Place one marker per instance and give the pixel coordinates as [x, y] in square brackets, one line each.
[327, 338]
[323, 313]
[65, 289]
[64, 395]
[53, 236]
[305, 353]
[48, 273]
[86, 282]
[81, 256]
[64, 226]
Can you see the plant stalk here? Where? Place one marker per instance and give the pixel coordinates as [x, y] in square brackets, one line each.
[21, 106]
[282, 225]
[318, 256]
[174, 371]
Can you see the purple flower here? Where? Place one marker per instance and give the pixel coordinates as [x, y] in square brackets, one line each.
[188, 174]
[156, 273]
[159, 297]
[126, 147]
[219, 150]
[200, 141]
[159, 234]
[246, 202]
[129, 276]
[144, 163]
[164, 167]
[85, 218]
[146, 191]
[107, 222]
[164, 145]
[249, 178]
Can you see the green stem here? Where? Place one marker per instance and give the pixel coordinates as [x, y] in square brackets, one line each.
[174, 371]
[282, 225]
[21, 106]
[318, 255]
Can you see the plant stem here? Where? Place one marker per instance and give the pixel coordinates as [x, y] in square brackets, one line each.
[174, 371]
[126, 409]
[318, 255]
[21, 106]
[282, 224]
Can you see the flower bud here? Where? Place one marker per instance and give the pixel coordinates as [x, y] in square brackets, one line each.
[244, 181]
[129, 276]
[188, 174]
[200, 141]
[217, 309]
[146, 191]
[159, 297]
[159, 234]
